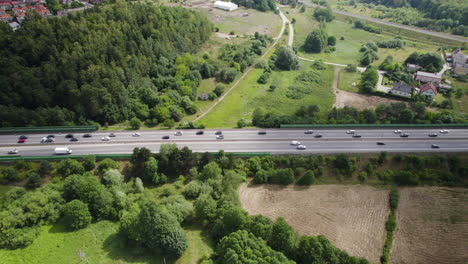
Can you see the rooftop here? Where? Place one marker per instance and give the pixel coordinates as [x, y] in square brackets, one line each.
[428, 86]
[428, 74]
[402, 87]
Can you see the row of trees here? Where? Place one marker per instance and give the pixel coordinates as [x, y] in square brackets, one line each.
[261, 5]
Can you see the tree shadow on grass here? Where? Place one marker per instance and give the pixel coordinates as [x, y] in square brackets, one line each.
[119, 249]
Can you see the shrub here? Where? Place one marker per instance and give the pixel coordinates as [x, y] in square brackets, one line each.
[307, 179]
[362, 176]
[219, 89]
[76, 214]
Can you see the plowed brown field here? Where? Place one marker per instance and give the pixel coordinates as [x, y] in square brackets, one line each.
[351, 216]
[432, 226]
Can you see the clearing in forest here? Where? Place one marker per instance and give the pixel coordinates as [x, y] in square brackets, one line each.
[432, 226]
[351, 216]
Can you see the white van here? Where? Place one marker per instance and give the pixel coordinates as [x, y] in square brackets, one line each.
[63, 151]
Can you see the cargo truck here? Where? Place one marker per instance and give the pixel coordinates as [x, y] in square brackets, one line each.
[63, 151]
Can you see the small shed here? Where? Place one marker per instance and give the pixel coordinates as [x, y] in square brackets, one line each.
[228, 6]
[204, 97]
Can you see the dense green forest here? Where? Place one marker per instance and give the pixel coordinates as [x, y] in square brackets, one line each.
[439, 15]
[105, 65]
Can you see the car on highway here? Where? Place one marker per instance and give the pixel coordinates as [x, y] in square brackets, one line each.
[350, 132]
[87, 135]
[433, 135]
[23, 137]
[357, 136]
[13, 152]
[218, 132]
[136, 134]
[22, 140]
[219, 136]
[398, 131]
[444, 131]
[178, 133]
[111, 135]
[301, 147]
[165, 137]
[47, 139]
[317, 135]
[69, 136]
[200, 132]
[62, 151]
[309, 132]
[435, 146]
[105, 138]
[262, 132]
[404, 135]
[380, 143]
[73, 139]
[295, 143]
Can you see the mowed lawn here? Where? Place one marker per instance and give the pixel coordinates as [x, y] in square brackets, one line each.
[347, 79]
[347, 50]
[249, 95]
[100, 243]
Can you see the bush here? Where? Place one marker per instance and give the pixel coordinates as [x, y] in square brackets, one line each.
[89, 162]
[394, 197]
[34, 181]
[332, 40]
[134, 123]
[76, 215]
[307, 179]
[263, 79]
[362, 176]
[107, 164]
[219, 89]
[286, 59]
[69, 166]
[242, 123]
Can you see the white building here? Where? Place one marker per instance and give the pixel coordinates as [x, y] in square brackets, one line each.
[228, 6]
[427, 77]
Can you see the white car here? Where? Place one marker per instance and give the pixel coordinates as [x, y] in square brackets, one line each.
[178, 133]
[136, 134]
[14, 151]
[105, 138]
[444, 131]
[219, 136]
[398, 131]
[47, 140]
[350, 132]
[295, 143]
[301, 147]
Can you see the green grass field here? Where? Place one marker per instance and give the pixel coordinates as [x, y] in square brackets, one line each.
[249, 95]
[101, 244]
[347, 79]
[347, 50]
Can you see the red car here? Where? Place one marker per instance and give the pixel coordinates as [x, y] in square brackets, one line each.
[21, 140]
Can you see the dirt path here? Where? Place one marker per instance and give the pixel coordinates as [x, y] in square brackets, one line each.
[351, 216]
[220, 99]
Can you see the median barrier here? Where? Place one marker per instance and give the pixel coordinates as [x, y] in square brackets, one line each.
[47, 129]
[337, 126]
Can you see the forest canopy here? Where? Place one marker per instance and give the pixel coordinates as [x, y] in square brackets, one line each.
[105, 65]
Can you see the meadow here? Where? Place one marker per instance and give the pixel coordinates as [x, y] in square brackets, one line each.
[249, 95]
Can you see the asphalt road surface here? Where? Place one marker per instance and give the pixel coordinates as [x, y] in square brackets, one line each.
[248, 140]
[424, 31]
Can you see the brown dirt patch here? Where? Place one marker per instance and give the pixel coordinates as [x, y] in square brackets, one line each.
[432, 226]
[351, 216]
[360, 101]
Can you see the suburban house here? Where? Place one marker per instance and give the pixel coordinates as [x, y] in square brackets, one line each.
[460, 62]
[428, 89]
[14, 25]
[413, 67]
[5, 18]
[402, 89]
[427, 77]
[228, 6]
[5, 6]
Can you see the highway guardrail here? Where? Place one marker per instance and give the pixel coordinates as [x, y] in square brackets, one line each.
[45, 129]
[375, 126]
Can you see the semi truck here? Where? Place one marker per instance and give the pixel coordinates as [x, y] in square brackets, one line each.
[63, 151]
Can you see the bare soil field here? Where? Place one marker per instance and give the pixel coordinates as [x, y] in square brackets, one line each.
[432, 226]
[360, 101]
[351, 216]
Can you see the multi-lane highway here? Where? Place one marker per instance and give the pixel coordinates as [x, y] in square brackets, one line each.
[247, 140]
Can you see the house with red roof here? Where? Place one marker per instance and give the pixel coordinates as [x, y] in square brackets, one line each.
[428, 89]
[5, 6]
[6, 18]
